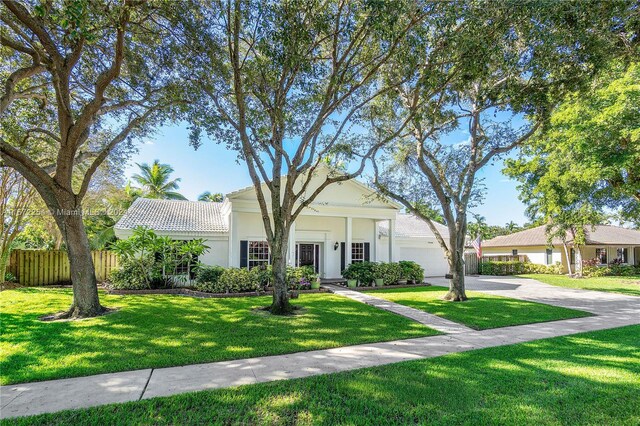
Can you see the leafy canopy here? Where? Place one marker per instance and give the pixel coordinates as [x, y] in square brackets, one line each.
[588, 160]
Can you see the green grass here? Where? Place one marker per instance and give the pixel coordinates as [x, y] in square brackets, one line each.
[624, 285]
[590, 378]
[164, 330]
[481, 311]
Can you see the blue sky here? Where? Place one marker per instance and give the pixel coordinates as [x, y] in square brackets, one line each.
[213, 168]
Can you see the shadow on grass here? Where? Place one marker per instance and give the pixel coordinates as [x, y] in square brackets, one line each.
[591, 378]
[162, 330]
[481, 311]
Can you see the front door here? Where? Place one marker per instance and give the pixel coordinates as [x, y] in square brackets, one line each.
[308, 255]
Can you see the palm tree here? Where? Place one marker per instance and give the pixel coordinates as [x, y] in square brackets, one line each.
[208, 196]
[155, 181]
[512, 227]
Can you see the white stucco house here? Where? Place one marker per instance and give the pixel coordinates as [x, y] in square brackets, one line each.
[604, 242]
[348, 222]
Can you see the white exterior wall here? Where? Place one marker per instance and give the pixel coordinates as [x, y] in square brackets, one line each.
[426, 252]
[218, 253]
[324, 230]
[536, 254]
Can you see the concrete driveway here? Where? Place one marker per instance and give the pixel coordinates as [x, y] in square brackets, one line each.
[597, 302]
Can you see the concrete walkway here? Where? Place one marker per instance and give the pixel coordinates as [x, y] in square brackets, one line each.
[596, 302]
[438, 323]
[55, 395]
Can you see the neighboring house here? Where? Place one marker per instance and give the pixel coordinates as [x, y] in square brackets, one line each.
[348, 222]
[606, 243]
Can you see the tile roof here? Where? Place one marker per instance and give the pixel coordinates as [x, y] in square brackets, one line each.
[174, 215]
[600, 234]
[409, 226]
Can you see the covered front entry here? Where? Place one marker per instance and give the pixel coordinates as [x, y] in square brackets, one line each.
[308, 254]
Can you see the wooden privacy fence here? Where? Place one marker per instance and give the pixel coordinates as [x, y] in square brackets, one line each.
[51, 267]
[471, 264]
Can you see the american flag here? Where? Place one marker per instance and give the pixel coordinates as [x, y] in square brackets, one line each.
[477, 245]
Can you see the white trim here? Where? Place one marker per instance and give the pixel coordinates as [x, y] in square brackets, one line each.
[348, 232]
[392, 239]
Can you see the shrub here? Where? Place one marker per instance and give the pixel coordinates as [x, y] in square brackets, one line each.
[411, 271]
[516, 267]
[209, 273]
[133, 275]
[234, 280]
[166, 253]
[591, 270]
[300, 278]
[9, 277]
[207, 277]
[363, 272]
[390, 273]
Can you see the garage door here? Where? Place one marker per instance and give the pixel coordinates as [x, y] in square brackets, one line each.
[430, 258]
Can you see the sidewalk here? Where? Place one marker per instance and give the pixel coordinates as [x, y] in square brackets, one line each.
[55, 395]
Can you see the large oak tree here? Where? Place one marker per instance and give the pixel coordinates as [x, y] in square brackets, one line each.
[86, 76]
[504, 68]
[285, 84]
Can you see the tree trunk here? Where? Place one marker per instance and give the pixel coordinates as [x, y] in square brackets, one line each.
[4, 260]
[456, 291]
[86, 302]
[578, 266]
[280, 304]
[567, 256]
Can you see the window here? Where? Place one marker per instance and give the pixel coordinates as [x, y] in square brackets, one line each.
[549, 256]
[601, 255]
[357, 252]
[514, 252]
[179, 268]
[622, 254]
[258, 254]
[572, 256]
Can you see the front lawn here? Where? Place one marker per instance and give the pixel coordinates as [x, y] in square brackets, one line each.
[624, 285]
[590, 378]
[481, 311]
[163, 330]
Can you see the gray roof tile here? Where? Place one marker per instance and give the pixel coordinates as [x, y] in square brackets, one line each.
[601, 234]
[174, 215]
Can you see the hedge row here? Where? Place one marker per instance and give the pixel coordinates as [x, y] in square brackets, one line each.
[390, 273]
[610, 271]
[216, 279]
[517, 267]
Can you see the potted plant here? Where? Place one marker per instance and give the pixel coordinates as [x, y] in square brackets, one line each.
[376, 272]
[350, 274]
[411, 271]
[315, 284]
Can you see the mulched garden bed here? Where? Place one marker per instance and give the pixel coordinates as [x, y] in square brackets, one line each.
[204, 295]
[386, 287]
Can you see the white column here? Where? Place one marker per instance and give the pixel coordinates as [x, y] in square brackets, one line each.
[233, 233]
[392, 239]
[348, 225]
[292, 245]
[326, 253]
[374, 246]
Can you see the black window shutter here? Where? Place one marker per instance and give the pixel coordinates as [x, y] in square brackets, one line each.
[317, 253]
[366, 252]
[244, 252]
[343, 255]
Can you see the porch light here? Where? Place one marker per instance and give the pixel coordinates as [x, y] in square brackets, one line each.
[335, 246]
